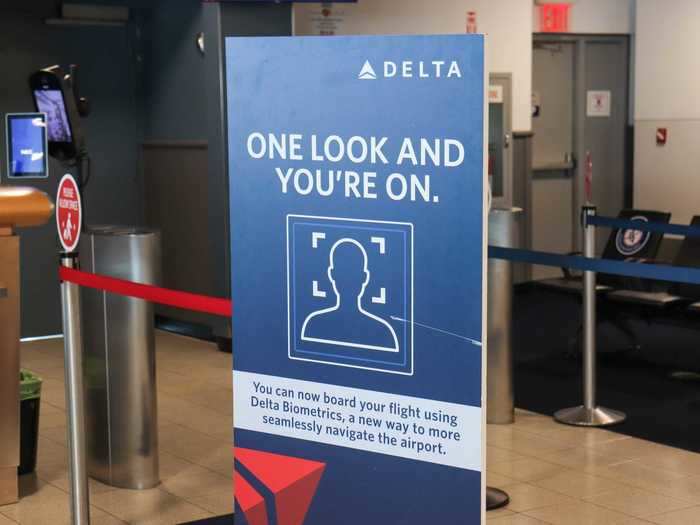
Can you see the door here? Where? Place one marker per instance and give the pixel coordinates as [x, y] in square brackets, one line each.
[580, 107]
[605, 133]
[553, 192]
[500, 166]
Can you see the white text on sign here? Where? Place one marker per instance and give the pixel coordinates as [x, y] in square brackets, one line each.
[417, 155]
[403, 426]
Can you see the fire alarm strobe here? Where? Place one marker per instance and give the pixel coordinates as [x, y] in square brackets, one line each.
[661, 136]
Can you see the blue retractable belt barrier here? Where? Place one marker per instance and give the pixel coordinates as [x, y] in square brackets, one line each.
[660, 272]
[656, 227]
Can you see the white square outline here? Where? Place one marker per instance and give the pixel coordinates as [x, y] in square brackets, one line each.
[289, 310]
[9, 152]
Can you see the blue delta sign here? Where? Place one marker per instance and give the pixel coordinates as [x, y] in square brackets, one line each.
[357, 240]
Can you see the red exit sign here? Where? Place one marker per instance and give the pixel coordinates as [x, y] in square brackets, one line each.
[554, 18]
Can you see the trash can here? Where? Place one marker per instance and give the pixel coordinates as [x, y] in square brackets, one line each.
[500, 408]
[119, 362]
[30, 403]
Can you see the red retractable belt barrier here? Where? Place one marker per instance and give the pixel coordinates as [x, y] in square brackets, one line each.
[154, 294]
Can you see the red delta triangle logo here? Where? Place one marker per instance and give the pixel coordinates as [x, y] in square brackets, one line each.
[292, 483]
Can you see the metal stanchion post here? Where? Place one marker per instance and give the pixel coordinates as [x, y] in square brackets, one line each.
[73, 348]
[590, 414]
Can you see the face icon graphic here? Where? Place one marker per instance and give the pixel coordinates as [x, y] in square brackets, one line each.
[347, 323]
[348, 269]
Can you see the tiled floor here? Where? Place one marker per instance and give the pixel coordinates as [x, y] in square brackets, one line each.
[554, 474]
[195, 407]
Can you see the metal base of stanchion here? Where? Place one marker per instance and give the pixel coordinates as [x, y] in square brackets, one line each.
[583, 417]
[496, 498]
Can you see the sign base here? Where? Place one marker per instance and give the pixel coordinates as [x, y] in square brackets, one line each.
[496, 499]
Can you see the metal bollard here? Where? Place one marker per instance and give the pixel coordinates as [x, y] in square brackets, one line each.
[500, 407]
[589, 414]
[499, 379]
[75, 407]
[120, 377]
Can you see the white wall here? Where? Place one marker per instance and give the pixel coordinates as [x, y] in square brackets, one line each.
[668, 69]
[667, 81]
[597, 17]
[668, 178]
[508, 24]
[601, 17]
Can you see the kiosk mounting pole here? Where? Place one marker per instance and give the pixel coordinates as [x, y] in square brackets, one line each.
[73, 347]
[589, 414]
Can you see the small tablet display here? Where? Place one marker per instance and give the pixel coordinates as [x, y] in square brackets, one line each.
[50, 101]
[27, 145]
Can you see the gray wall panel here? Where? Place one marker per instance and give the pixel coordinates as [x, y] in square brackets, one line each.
[173, 173]
[230, 19]
[186, 103]
[176, 107]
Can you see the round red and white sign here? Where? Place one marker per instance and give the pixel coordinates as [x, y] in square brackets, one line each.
[69, 213]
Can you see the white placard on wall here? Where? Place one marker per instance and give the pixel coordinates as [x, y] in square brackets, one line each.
[598, 104]
[495, 94]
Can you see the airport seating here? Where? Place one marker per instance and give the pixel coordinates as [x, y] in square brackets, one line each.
[659, 295]
[620, 246]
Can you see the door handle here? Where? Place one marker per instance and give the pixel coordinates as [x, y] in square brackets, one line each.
[506, 140]
[3, 291]
[570, 159]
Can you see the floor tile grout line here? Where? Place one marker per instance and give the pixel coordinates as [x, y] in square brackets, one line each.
[640, 516]
[187, 460]
[626, 481]
[586, 500]
[189, 502]
[661, 514]
[603, 507]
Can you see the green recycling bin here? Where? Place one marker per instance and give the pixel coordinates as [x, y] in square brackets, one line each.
[30, 402]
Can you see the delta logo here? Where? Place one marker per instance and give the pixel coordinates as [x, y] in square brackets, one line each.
[411, 69]
[271, 489]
